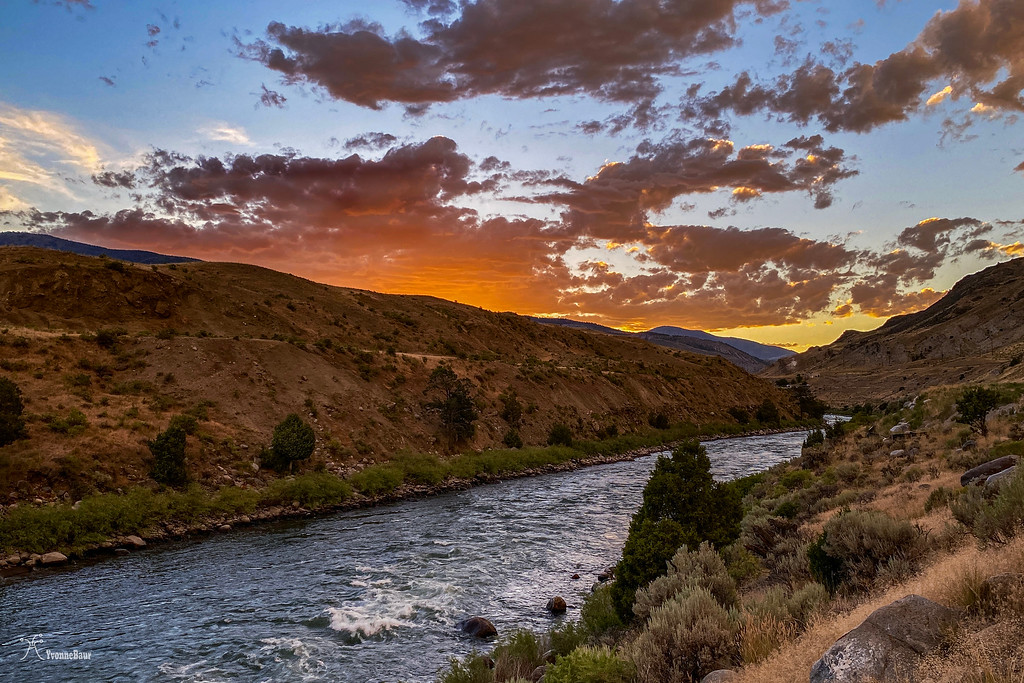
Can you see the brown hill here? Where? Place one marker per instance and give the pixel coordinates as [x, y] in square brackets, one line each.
[246, 346]
[974, 333]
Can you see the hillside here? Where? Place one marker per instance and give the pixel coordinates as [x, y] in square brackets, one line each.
[749, 355]
[32, 239]
[972, 334]
[242, 346]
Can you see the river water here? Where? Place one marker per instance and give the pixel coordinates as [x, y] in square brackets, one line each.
[367, 595]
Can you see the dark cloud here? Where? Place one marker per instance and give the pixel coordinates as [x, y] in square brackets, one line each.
[612, 50]
[271, 98]
[977, 49]
[621, 196]
[371, 141]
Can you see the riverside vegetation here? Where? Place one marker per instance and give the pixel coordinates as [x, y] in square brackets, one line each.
[796, 556]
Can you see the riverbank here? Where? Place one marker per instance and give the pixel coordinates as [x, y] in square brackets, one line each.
[96, 528]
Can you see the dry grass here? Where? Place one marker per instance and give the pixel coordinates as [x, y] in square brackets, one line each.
[944, 581]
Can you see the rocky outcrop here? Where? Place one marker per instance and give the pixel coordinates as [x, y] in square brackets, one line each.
[720, 676]
[994, 482]
[987, 469]
[887, 646]
[478, 627]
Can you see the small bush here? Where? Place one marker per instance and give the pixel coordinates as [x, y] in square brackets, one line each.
[996, 519]
[72, 424]
[598, 615]
[560, 435]
[761, 636]
[685, 639]
[186, 423]
[313, 490]
[168, 450]
[293, 441]
[516, 656]
[857, 545]
[590, 665]
[377, 480]
[12, 423]
[475, 668]
[688, 570]
[512, 439]
[658, 421]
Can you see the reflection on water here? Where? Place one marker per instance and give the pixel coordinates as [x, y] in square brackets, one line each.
[369, 595]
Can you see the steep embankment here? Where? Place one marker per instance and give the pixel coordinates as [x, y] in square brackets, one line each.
[974, 333]
[241, 347]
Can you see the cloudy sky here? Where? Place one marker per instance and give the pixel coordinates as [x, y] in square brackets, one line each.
[781, 170]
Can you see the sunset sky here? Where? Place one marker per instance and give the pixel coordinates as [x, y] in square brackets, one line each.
[781, 170]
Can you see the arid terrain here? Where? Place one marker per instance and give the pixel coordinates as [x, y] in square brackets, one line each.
[107, 352]
[972, 334]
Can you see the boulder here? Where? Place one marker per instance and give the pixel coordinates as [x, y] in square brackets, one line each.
[886, 647]
[478, 627]
[901, 428]
[994, 482]
[720, 676]
[987, 469]
[53, 558]
[900, 453]
[538, 673]
[556, 605]
[134, 541]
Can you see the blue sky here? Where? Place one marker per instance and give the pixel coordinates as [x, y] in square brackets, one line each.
[94, 88]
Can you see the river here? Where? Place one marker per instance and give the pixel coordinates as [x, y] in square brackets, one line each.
[367, 595]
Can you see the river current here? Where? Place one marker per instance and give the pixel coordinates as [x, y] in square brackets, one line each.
[367, 595]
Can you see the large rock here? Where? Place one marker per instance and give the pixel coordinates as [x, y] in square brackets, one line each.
[901, 428]
[994, 482]
[53, 558]
[478, 627]
[886, 647]
[556, 605]
[987, 469]
[720, 676]
[134, 542]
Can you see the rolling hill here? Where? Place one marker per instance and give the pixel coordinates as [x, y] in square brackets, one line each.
[31, 239]
[749, 355]
[106, 353]
[972, 334]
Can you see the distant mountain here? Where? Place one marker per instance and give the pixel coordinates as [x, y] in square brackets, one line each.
[975, 333]
[706, 347]
[31, 239]
[578, 325]
[749, 355]
[764, 352]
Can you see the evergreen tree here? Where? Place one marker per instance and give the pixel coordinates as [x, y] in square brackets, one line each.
[168, 449]
[12, 423]
[453, 404]
[293, 441]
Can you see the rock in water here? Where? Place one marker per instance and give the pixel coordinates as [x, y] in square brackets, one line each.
[556, 605]
[887, 645]
[988, 469]
[53, 558]
[478, 627]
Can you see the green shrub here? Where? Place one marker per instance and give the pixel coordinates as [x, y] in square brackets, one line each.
[420, 468]
[658, 421]
[682, 505]
[313, 490]
[768, 413]
[512, 439]
[685, 639]
[993, 519]
[293, 441]
[796, 479]
[1007, 448]
[857, 546]
[517, 655]
[475, 668]
[598, 615]
[590, 665]
[974, 405]
[815, 438]
[185, 423]
[702, 568]
[12, 423]
[560, 435]
[453, 404]
[168, 449]
[377, 480]
[742, 565]
[72, 424]
[108, 338]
